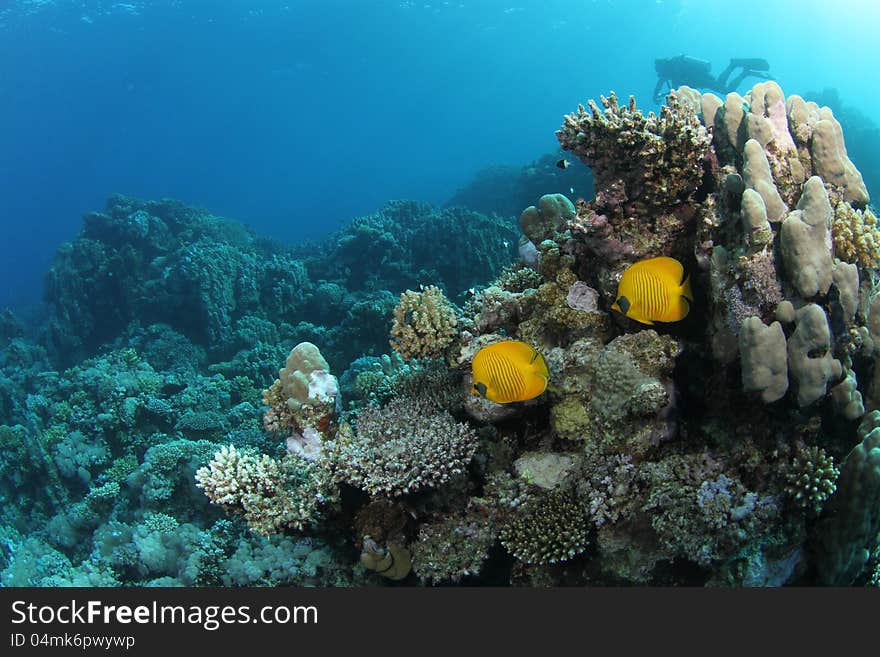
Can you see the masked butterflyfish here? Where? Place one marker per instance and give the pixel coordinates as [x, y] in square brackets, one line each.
[509, 371]
[652, 290]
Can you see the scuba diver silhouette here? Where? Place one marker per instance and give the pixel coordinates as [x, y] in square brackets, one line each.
[673, 72]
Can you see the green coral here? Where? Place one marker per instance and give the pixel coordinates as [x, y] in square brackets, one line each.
[811, 477]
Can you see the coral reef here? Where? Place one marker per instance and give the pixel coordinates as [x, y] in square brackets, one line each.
[724, 449]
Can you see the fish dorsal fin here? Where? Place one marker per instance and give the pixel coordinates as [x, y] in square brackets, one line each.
[539, 367]
[665, 266]
[516, 349]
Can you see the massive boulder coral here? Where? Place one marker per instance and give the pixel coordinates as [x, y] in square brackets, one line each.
[302, 400]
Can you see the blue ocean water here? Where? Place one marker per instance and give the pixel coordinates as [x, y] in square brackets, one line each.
[295, 116]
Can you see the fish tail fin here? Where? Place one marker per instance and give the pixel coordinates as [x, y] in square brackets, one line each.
[686, 291]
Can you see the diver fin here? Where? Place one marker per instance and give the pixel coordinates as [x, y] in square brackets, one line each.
[754, 63]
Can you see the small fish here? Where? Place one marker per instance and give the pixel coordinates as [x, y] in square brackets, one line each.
[509, 371]
[652, 290]
[563, 163]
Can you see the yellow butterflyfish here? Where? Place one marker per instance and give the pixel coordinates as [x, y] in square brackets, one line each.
[652, 290]
[509, 371]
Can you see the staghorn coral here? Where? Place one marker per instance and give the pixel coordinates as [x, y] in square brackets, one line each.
[271, 494]
[546, 529]
[403, 447]
[424, 324]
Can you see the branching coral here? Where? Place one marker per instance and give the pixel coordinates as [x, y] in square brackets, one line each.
[657, 160]
[404, 446]
[811, 477]
[424, 324]
[547, 529]
[271, 494]
[451, 548]
[855, 235]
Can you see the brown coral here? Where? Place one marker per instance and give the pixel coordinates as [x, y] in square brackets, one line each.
[424, 324]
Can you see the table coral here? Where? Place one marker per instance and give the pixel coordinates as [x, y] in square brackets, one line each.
[657, 160]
